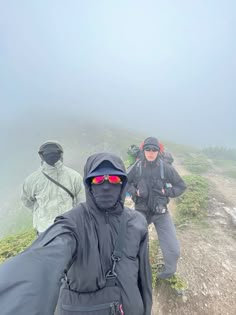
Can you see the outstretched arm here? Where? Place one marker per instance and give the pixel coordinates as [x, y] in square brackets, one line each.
[30, 282]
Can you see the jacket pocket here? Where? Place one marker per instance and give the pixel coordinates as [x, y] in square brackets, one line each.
[106, 301]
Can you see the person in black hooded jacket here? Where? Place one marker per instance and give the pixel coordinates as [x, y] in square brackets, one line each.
[77, 251]
[151, 182]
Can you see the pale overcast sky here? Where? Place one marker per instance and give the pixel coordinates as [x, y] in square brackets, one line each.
[175, 60]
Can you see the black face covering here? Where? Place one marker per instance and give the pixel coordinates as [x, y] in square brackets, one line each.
[106, 195]
[51, 158]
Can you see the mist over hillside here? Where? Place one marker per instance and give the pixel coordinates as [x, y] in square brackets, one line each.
[79, 136]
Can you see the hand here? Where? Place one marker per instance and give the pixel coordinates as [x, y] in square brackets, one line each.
[137, 193]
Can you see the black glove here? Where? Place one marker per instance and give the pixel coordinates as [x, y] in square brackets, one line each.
[169, 192]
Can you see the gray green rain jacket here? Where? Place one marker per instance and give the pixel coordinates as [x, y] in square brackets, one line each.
[84, 237]
[46, 199]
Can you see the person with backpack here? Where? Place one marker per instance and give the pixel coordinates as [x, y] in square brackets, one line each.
[98, 251]
[151, 183]
[53, 189]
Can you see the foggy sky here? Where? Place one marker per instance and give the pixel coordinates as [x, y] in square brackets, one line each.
[173, 59]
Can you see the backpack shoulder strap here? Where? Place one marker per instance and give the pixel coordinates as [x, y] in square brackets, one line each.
[58, 184]
[162, 170]
[119, 245]
[135, 165]
[139, 167]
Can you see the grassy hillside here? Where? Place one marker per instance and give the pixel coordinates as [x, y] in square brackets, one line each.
[224, 158]
[16, 222]
[190, 207]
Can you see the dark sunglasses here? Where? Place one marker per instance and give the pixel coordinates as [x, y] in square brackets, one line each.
[153, 149]
[113, 179]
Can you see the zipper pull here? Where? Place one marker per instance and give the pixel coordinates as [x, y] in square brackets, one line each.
[113, 311]
[115, 308]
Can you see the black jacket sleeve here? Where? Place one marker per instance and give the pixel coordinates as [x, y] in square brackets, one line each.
[145, 276]
[30, 282]
[178, 185]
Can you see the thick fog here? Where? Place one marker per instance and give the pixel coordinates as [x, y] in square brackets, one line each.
[165, 67]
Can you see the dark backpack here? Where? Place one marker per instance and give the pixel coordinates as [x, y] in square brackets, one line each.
[167, 157]
[134, 151]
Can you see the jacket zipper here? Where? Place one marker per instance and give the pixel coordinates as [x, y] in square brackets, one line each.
[113, 307]
[106, 217]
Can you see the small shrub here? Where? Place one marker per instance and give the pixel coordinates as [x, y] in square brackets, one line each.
[176, 282]
[191, 205]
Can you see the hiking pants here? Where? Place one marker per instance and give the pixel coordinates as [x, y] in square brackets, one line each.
[168, 243]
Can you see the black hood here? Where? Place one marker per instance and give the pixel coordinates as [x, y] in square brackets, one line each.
[92, 163]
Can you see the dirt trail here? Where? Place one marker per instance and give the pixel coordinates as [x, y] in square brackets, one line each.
[208, 258]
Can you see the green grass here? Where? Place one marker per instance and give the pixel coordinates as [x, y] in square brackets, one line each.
[197, 164]
[153, 254]
[228, 167]
[180, 149]
[12, 245]
[16, 222]
[220, 153]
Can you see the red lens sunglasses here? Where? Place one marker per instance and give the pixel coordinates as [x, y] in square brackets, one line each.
[113, 179]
